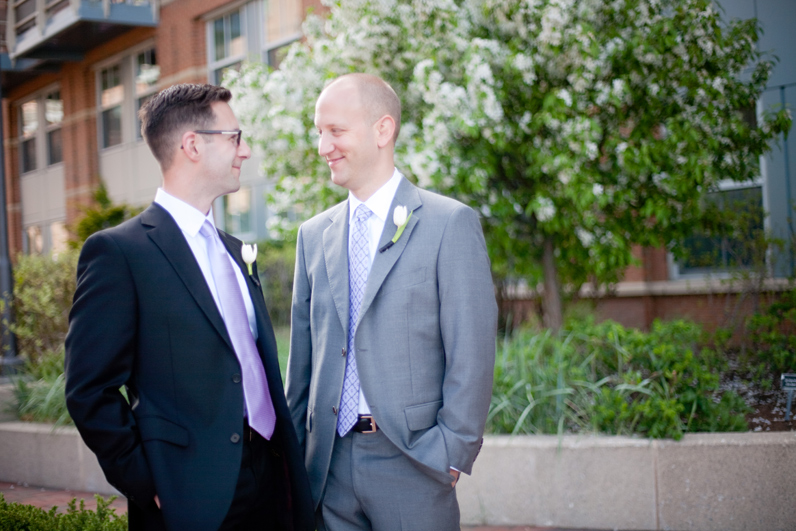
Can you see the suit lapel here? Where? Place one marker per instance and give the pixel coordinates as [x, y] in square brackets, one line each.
[407, 196]
[164, 232]
[335, 253]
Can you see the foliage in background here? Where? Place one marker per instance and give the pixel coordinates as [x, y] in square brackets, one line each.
[43, 289]
[609, 379]
[576, 128]
[104, 215]
[39, 391]
[20, 517]
[773, 335]
[276, 261]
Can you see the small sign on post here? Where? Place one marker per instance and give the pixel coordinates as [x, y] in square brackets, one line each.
[788, 382]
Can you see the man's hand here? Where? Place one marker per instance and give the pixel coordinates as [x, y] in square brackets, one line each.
[455, 473]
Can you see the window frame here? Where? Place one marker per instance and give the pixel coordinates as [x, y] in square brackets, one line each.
[40, 137]
[127, 61]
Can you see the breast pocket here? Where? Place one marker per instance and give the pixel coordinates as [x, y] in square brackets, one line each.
[404, 280]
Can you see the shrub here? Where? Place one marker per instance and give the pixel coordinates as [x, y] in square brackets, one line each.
[19, 517]
[103, 215]
[276, 261]
[609, 379]
[773, 335]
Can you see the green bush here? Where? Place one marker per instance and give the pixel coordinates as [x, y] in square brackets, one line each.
[609, 379]
[773, 335]
[103, 215]
[276, 261]
[43, 289]
[19, 517]
[40, 390]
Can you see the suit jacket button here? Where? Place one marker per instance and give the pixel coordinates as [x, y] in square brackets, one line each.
[334, 410]
[236, 378]
[235, 438]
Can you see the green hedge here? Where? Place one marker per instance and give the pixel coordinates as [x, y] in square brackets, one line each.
[19, 517]
[609, 379]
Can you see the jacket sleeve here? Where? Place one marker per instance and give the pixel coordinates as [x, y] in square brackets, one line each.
[100, 355]
[299, 365]
[468, 322]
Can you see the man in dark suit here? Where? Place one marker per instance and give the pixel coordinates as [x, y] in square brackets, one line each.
[393, 330]
[166, 308]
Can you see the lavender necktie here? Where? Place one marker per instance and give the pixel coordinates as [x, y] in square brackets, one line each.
[358, 266]
[260, 409]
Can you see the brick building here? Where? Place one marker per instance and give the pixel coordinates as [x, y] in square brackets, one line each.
[74, 73]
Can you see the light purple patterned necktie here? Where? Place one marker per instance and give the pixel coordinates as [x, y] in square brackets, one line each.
[260, 409]
[358, 266]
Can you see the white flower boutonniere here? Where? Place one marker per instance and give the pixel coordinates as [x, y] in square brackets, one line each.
[400, 218]
[249, 253]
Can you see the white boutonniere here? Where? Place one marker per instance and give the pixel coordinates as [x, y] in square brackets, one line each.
[400, 216]
[249, 254]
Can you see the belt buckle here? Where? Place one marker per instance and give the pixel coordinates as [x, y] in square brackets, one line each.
[373, 429]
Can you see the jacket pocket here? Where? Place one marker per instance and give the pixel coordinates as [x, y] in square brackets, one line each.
[160, 429]
[422, 416]
[404, 280]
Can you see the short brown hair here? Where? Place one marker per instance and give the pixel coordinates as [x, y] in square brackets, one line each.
[171, 112]
[377, 96]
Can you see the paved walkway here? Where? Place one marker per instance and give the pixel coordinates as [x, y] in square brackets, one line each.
[47, 498]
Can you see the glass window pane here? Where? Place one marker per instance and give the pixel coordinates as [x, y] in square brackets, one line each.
[219, 74]
[54, 147]
[54, 108]
[59, 236]
[30, 118]
[237, 45]
[35, 239]
[25, 9]
[112, 127]
[283, 19]
[218, 39]
[112, 89]
[237, 211]
[28, 153]
[147, 71]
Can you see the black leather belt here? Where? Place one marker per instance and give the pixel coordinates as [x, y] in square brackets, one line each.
[365, 424]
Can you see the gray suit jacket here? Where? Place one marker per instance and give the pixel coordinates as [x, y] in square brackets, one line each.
[425, 341]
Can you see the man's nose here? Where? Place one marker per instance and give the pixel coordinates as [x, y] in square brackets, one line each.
[244, 151]
[324, 146]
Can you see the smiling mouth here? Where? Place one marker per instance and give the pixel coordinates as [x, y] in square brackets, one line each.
[331, 162]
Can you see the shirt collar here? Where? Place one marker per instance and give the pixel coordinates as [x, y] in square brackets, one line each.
[378, 203]
[188, 218]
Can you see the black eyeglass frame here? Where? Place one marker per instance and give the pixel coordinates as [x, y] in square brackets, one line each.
[237, 132]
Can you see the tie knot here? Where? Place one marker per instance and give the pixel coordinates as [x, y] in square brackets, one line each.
[207, 230]
[362, 213]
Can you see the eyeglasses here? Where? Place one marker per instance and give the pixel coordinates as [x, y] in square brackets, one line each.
[238, 133]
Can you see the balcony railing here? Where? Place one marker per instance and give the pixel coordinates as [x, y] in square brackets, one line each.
[47, 26]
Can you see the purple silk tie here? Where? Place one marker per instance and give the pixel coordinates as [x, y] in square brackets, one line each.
[260, 409]
[358, 266]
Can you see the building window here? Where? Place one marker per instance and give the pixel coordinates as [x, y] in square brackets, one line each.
[41, 146]
[29, 112]
[53, 116]
[147, 75]
[124, 85]
[238, 212]
[228, 44]
[111, 99]
[725, 251]
[282, 27]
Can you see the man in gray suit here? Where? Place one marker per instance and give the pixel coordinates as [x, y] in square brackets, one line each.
[393, 330]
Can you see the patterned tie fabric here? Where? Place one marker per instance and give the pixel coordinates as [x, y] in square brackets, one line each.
[262, 417]
[358, 262]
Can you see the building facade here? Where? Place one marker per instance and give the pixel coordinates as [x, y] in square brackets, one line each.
[75, 73]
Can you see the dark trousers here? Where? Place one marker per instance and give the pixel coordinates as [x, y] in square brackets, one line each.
[261, 499]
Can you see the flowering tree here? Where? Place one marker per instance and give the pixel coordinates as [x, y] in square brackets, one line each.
[577, 128]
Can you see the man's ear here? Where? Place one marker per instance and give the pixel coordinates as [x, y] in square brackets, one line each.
[190, 146]
[385, 128]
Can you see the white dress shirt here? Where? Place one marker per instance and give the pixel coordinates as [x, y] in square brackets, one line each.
[190, 221]
[379, 203]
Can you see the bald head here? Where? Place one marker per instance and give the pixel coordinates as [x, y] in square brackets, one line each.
[376, 96]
